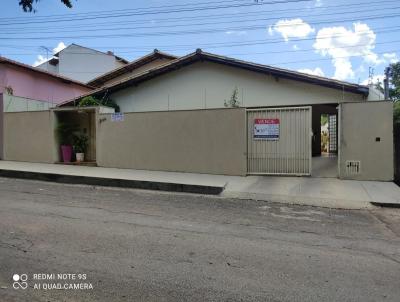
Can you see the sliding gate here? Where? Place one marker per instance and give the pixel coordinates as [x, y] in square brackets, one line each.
[279, 141]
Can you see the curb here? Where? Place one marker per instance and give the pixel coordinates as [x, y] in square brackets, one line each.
[386, 204]
[113, 182]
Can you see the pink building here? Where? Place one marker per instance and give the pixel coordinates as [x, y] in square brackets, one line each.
[37, 84]
[33, 86]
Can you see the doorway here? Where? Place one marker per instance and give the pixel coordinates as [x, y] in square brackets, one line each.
[79, 122]
[325, 141]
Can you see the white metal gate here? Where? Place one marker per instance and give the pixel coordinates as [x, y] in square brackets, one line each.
[279, 141]
[332, 128]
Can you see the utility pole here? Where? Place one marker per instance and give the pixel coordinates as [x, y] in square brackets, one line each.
[370, 76]
[386, 82]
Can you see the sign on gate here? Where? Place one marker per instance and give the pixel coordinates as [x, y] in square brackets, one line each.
[117, 117]
[266, 128]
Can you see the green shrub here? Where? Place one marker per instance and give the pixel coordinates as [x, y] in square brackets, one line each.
[80, 143]
[89, 101]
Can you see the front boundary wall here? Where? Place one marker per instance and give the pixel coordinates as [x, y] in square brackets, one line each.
[29, 136]
[209, 141]
[366, 136]
[212, 141]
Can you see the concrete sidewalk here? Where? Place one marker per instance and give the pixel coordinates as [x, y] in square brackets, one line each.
[323, 192]
[113, 177]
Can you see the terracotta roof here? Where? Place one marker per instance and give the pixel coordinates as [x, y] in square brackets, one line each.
[4, 60]
[199, 55]
[156, 54]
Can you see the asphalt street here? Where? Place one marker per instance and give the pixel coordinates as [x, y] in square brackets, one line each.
[135, 245]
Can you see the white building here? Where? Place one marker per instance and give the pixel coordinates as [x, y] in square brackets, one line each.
[81, 63]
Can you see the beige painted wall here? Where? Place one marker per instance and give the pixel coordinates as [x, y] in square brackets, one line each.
[206, 85]
[29, 136]
[204, 141]
[360, 125]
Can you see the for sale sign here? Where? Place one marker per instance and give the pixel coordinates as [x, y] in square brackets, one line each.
[266, 128]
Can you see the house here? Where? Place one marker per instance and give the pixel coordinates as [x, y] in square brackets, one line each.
[82, 63]
[206, 113]
[24, 82]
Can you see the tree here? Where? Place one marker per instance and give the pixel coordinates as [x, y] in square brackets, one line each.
[27, 5]
[394, 90]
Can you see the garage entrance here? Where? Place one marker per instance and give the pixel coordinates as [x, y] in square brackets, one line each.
[279, 141]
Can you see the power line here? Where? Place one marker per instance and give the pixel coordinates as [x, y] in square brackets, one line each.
[220, 16]
[155, 34]
[212, 23]
[253, 53]
[117, 10]
[332, 58]
[383, 30]
[160, 12]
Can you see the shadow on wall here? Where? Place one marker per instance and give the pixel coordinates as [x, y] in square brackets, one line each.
[396, 132]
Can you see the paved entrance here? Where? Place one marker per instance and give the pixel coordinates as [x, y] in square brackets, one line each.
[325, 165]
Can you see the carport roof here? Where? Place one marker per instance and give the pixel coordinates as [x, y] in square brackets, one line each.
[199, 55]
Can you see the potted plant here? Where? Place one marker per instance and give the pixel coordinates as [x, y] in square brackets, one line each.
[80, 146]
[65, 135]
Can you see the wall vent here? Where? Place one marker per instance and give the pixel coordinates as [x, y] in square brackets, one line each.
[353, 167]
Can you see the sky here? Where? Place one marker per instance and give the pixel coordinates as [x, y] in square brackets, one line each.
[350, 40]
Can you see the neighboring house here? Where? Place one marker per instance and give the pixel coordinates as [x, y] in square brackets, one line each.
[154, 59]
[24, 81]
[82, 63]
[26, 88]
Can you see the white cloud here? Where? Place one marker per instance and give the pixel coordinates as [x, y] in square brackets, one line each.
[340, 44]
[41, 59]
[318, 3]
[316, 71]
[390, 57]
[59, 47]
[375, 79]
[343, 69]
[293, 28]
[236, 32]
